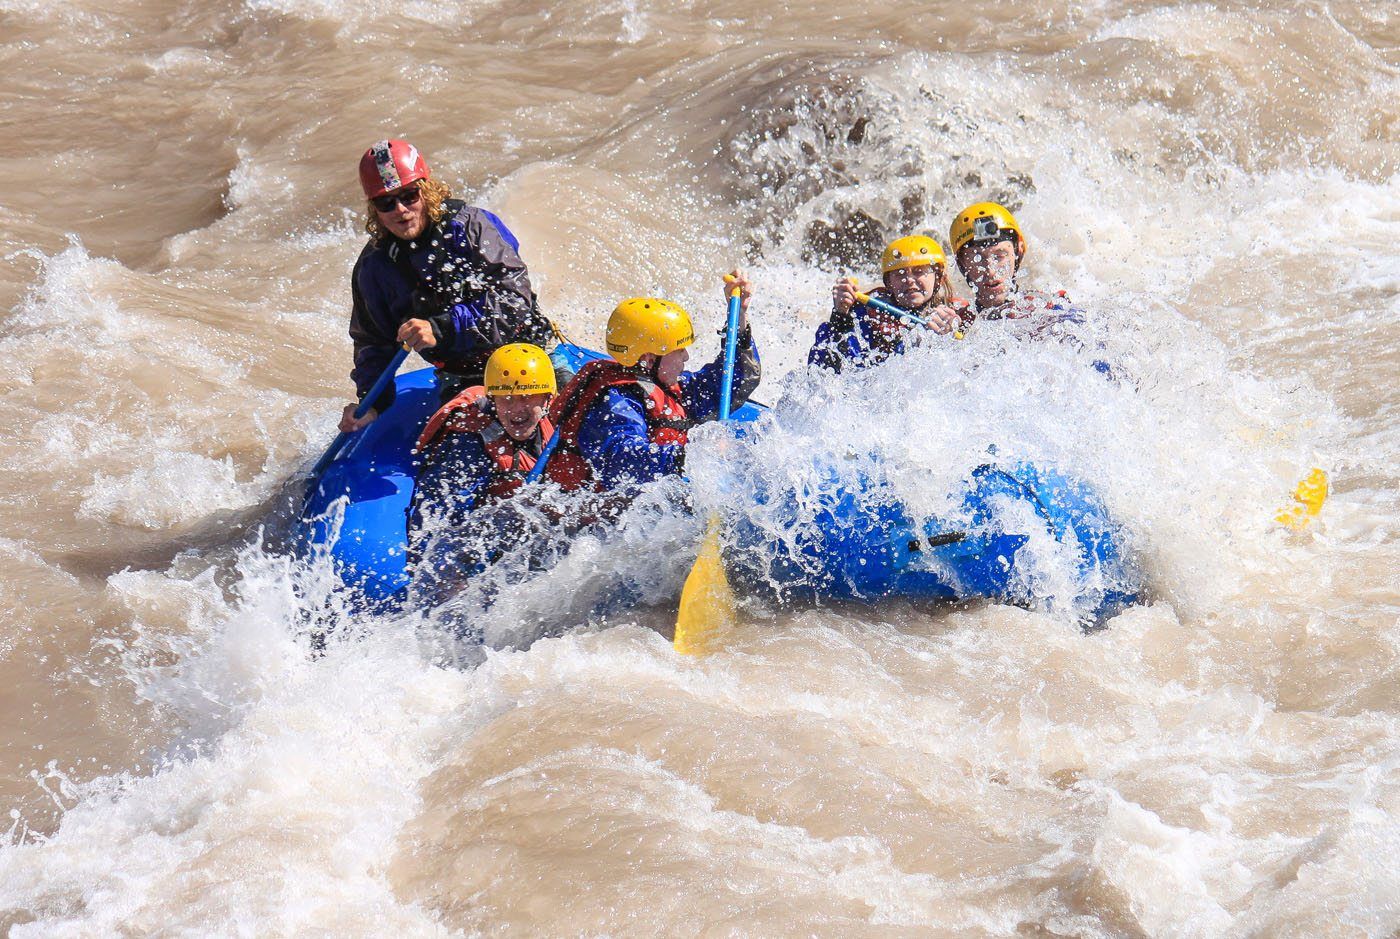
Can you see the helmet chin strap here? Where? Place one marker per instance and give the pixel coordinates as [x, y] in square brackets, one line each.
[643, 370]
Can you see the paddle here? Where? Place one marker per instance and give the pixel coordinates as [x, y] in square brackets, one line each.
[1308, 497]
[707, 600]
[875, 303]
[537, 470]
[379, 385]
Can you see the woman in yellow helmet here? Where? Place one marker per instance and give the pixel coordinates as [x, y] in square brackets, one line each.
[478, 447]
[989, 247]
[915, 280]
[625, 420]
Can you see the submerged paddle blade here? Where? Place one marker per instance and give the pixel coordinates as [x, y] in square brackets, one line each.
[1307, 501]
[707, 600]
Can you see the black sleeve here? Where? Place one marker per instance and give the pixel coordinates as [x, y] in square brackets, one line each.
[746, 367]
[497, 304]
[373, 335]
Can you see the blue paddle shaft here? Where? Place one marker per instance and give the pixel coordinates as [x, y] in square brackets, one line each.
[368, 402]
[731, 349]
[537, 470]
[875, 303]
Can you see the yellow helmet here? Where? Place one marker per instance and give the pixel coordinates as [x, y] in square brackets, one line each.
[644, 325]
[985, 221]
[520, 369]
[911, 251]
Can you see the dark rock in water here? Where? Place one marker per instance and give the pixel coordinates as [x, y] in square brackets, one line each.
[911, 208]
[1022, 182]
[850, 244]
[1012, 195]
[1008, 198]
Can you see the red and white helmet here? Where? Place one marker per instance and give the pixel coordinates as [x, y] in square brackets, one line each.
[390, 165]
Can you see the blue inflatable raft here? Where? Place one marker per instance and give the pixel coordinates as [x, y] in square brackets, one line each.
[861, 545]
[1021, 534]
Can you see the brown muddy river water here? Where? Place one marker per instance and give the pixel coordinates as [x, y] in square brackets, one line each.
[1214, 183]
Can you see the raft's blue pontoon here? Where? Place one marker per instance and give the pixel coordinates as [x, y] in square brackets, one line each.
[862, 545]
[1021, 535]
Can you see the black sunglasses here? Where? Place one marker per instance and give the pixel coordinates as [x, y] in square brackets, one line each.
[387, 203]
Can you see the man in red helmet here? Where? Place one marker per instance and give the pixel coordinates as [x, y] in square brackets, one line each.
[439, 275]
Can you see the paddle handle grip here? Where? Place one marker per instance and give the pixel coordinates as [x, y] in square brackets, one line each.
[731, 349]
[382, 382]
[343, 438]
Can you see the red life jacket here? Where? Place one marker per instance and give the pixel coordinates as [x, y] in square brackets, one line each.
[511, 460]
[667, 421]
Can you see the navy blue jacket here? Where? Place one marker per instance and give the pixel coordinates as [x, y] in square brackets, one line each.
[454, 481]
[463, 275]
[1042, 316]
[456, 474]
[455, 477]
[613, 437]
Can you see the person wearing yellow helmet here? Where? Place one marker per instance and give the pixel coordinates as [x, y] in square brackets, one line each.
[625, 420]
[990, 247]
[478, 447]
[915, 279]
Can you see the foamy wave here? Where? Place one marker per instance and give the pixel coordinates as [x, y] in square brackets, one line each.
[172, 489]
[358, 15]
[133, 390]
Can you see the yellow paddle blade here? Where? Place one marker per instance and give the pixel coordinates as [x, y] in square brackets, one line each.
[1307, 501]
[707, 600]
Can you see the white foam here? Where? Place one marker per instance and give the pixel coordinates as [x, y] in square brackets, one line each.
[1222, 761]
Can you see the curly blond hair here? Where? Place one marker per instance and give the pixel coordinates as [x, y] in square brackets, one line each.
[435, 193]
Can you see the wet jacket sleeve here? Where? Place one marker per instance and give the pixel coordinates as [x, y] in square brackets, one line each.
[373, 328]
[825, 352]
[613, 439]
[1057, 322]
[835, 344]
[700, 390]
[497, 303]
[1066, 318]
